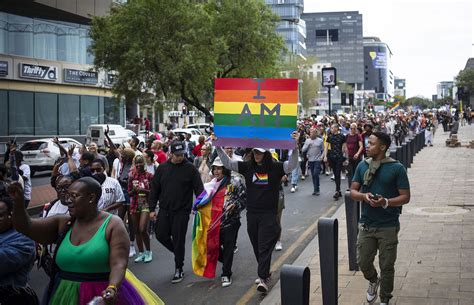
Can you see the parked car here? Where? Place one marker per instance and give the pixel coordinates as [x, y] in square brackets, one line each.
[195, 134]
[204, 128]
[132, 134]
[41, 154]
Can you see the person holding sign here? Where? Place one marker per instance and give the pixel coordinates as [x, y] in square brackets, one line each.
[262, 179]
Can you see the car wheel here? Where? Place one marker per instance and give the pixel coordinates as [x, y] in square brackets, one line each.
[32, 173]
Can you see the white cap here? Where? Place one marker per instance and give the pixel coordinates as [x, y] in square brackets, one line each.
[262, 150]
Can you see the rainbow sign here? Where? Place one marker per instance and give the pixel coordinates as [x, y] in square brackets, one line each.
[255, 112]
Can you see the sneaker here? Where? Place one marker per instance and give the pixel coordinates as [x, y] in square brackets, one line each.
[257, 281]
[140, 257]
[303, 177]
[317, 193]
[337, 194]
[226, 281]
[333, 177]
[293, 189]
[384, 303]
[343, 177]
[263, 285]
[178, 276]
[132, 251]
[327, 173]
[236, 249]
[372, 291]
[147, 257]
[278, 246]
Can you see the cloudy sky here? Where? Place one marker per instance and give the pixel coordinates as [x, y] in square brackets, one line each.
[431, 40]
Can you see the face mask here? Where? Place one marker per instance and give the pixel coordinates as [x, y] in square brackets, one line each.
[100, 177]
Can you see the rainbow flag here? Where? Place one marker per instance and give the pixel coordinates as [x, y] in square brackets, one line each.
[395, 107]
[206, 229]
[255, 112]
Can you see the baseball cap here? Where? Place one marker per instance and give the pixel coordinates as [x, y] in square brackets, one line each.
[262, 150]
[177, 148]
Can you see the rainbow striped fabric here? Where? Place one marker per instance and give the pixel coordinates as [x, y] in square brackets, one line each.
[395, 107]
[255, 112]
[206, 228]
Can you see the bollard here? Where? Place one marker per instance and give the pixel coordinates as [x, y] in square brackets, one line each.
[393, 153]
[408, 153]
[328, 257]
[423, 138]
[294, 285]
[404, 155]
[417, 143]
[352, 221]
[399, 154]
[412, 149]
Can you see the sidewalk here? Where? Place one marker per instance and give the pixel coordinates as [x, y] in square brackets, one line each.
[435, 263]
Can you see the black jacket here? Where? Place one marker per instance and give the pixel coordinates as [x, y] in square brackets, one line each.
[173, 186]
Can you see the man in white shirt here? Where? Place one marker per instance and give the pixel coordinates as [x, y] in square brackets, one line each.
[112, 195]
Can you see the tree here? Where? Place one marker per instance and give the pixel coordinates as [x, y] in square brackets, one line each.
[419, 101]
[298, 67]
[175, 49]
[465, 79]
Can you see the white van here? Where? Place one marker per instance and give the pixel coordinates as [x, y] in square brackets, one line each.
[118, 134]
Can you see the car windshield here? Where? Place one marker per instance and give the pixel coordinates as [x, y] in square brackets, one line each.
[34, 146]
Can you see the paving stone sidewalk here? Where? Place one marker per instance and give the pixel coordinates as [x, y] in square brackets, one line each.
[435, 263]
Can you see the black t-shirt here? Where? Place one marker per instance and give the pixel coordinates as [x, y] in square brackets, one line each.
[336, 141]
[262, 186]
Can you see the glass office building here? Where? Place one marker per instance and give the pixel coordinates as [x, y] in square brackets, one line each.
[378, 73]
[336, 38]
[292, 27]
[47, 82]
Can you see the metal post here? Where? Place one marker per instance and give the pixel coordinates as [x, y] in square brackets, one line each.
[408, 153]
[393, 153]
[404, 155]
[423, 138]
[294, 285]
[329, 100]
[352, 220]
[399, 154]
[417, 137]
[412, 149]
[328, 256]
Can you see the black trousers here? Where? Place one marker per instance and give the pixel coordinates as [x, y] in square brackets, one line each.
[336, 165]
[263, 230]
[18, 295]
[170, 231]
[228, 238]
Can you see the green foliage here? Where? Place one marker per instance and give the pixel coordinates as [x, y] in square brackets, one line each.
[175, 49]
[419, 101]
[465, 78]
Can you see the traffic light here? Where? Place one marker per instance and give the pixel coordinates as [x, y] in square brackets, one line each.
[185, 110]
[351, 99]
[343, 99]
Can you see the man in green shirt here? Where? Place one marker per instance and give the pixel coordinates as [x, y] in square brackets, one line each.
[381, 184]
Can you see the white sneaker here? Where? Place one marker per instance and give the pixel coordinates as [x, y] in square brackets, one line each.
[263, 285]
[372, 291]
[343, 177]
[293, 189]
[257, 281]
[226, 281]
[333, 177]
[384, 303]
[278, 246]
[132, 251]
[303, 177]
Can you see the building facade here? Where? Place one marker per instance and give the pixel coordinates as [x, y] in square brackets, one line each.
[400, 87]
[291, 26]
[378, 73]
[47, 82]
[336, 38]
[444, 89]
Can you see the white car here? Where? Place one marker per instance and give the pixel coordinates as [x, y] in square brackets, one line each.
[195, 134]
[140, 138]
[41, 154]
[204, 128]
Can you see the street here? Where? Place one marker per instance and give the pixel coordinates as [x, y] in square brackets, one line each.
[302, 211]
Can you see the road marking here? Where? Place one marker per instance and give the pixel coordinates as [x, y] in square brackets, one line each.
[279, 262]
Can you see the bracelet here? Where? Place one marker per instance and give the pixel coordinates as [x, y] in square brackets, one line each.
[386, 203]
[113, 287]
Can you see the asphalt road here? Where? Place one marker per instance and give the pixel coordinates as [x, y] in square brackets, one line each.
[302, 211]
[41, 178]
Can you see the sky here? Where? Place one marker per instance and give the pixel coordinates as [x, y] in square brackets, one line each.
[431, 40]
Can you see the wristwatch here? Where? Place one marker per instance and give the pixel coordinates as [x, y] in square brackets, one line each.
[386, 203]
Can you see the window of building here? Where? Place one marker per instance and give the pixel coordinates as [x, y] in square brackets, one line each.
[89, 111]
[112, 111]
[45, 39]
[4, 112]
[46, 114]
[327, 35]
[20, 114]
[69, 114]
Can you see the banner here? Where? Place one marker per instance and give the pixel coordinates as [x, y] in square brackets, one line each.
[255, 112]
